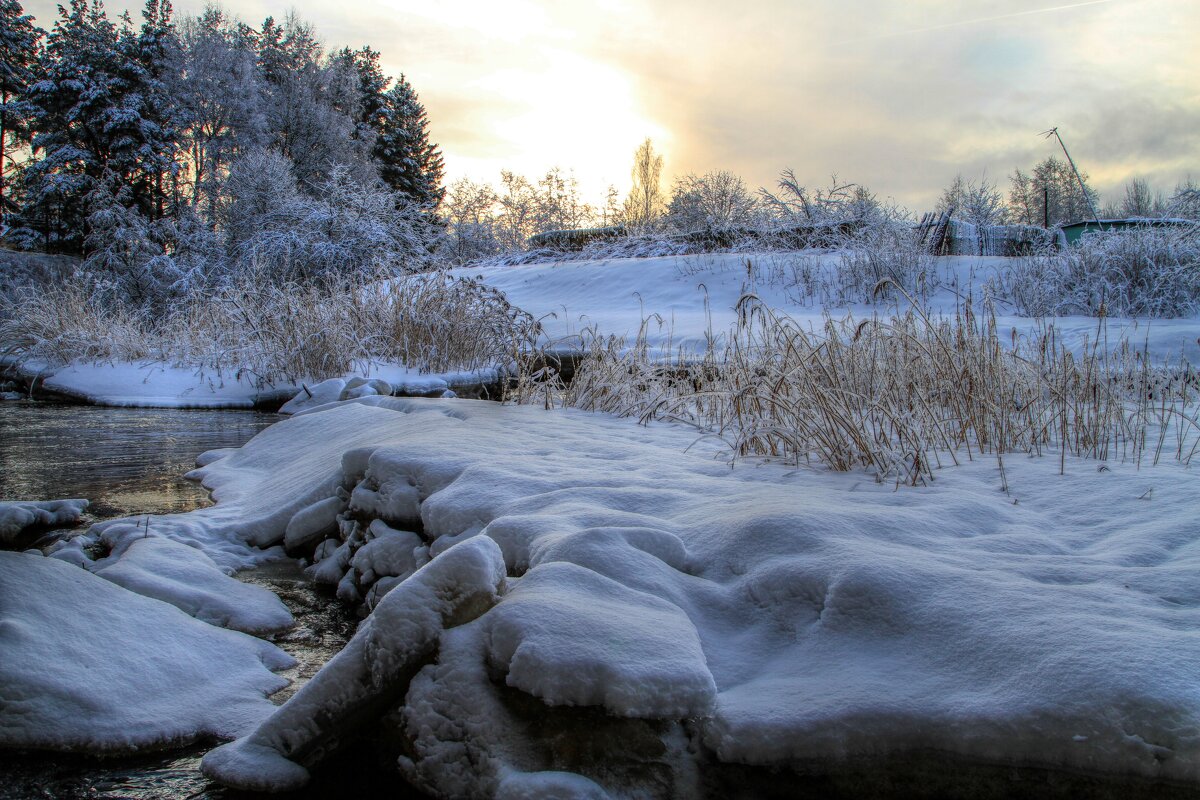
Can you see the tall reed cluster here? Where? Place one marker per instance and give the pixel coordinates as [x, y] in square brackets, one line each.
[898, 396]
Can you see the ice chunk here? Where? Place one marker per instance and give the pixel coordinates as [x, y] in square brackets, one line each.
[88, 665]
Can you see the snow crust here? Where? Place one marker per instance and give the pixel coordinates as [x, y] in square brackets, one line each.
[755, 615]
[88, 665]
[19, 516]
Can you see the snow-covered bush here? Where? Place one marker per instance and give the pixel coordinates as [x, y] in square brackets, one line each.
[1144, 272]
[344, 226]
[275, 330]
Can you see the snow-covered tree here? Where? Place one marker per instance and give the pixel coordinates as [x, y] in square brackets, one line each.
[19, 41]
[980, 203]
[1050, 193]
[76, 94]
[709, 202]
[144, 149]
[470, 209]
[220, 100]
[408, 162]
[310, 114]
[1140, 200]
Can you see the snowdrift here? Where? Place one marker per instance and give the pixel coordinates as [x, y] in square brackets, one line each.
[698, 615]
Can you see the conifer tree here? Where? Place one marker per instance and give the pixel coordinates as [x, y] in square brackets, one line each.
[408, 162]
[71, 106]
[19, 41]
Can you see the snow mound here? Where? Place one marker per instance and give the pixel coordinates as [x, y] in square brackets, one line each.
[88, 665]
[754, 615]
[19, 516]
[189, 580]
[572, 637]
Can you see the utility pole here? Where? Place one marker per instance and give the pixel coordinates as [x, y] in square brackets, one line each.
[1054, 132]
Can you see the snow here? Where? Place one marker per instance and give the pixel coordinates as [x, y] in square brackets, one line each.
[787, 616]
[403, 630]
[189, 580]
[694, 294]
[553, 635]
[90, 666]
[19, 516]
[162, 385]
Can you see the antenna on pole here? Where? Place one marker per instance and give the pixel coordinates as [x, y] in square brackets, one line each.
[1087, 199]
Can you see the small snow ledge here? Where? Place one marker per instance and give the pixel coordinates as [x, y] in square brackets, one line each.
[19, 516]
[572, 637]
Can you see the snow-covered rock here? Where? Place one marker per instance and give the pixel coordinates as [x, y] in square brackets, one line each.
[312, 524]
[88, 665]
[18, 516]
[329, 391]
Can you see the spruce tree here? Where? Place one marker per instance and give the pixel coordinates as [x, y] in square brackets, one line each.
[408, 162]
[71, 108]
[18, 55]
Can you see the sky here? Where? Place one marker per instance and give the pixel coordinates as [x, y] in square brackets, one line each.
[897, 95]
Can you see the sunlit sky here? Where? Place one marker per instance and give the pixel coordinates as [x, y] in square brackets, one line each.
[898, 95]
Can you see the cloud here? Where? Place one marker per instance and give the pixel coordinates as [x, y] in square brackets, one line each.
[898, 96]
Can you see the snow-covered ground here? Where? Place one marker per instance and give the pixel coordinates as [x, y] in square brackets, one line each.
[523, 564]
[755, 615]
[697, 294]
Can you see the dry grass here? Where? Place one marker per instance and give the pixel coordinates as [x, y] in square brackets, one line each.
[278, 332]
[896, 396]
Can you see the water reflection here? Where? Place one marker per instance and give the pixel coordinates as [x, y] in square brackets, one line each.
[126, 461]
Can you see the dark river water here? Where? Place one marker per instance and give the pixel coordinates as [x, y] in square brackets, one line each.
[131, 461]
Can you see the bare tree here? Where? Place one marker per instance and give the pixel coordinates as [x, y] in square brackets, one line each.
[644, 205]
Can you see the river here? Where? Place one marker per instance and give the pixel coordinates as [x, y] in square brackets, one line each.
[129, 462]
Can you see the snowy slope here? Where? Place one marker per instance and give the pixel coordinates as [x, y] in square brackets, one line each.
[767, 616]
[695, 294]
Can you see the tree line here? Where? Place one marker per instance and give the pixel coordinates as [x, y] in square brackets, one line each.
[170, 152]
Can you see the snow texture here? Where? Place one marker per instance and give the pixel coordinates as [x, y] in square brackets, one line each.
[402, 631]
[87, 665]
[19, 516]
[789, 616]
[189, 580]
[690, 293]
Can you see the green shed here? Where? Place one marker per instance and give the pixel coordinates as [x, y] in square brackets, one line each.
[1076, 230]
